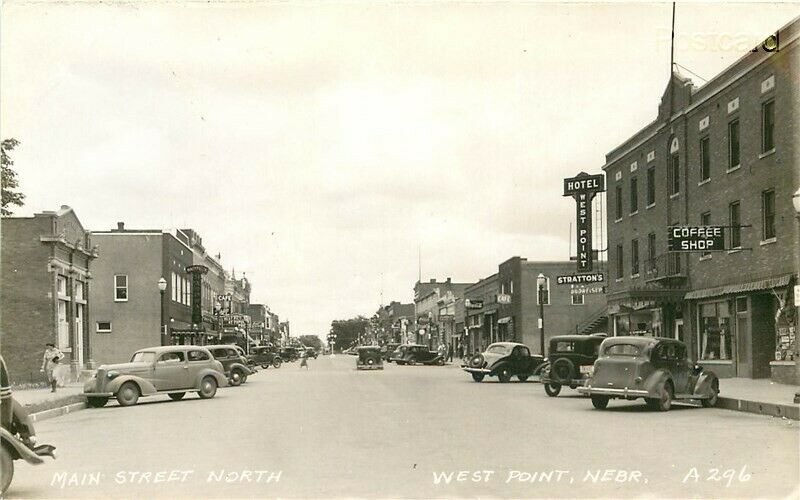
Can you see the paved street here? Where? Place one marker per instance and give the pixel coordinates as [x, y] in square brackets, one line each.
[336, 432]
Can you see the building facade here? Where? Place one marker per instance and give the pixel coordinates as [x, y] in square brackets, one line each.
[430, 328]
[723, 154]
[480, 305]
[47, 270]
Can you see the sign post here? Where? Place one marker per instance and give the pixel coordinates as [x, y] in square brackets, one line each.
[197, 272]
[583, 187]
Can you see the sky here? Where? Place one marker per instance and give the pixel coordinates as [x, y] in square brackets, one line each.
[331, 150]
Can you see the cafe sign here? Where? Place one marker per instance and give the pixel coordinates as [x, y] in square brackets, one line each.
[583, 187]
[696, 239]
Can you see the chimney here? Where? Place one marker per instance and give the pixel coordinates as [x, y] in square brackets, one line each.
[120, 226]
[449, 280]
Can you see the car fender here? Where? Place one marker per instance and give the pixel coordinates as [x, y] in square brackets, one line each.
[704, 381]
[497, 367]
[145, 387]
[222, 381]
[655, 379]
[246, 370]
[18, 448]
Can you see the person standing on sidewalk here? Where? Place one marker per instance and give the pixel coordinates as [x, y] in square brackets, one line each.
[50, 360]
[450, 352]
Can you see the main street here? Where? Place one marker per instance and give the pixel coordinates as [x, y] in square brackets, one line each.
[333, 431]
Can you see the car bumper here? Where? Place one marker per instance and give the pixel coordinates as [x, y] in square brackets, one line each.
[98, 394]
[609, 391]
[367, 367]
[485, 371]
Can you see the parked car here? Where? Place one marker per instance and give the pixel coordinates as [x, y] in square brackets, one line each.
[369, 358]
[504, 360]
[17, 435]
[311, 352]
[172, 370]
[412, 354]
[266, 356]
[234, 362]
[570, 361]
[387, 350]
[653, 368]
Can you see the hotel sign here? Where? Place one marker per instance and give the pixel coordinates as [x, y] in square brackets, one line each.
[583, 187]
[696, 239]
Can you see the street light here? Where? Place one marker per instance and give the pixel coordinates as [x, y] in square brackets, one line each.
[162, 287]
[540, 282]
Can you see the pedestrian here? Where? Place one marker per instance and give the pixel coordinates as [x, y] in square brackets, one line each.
[450, 353]
[304, 359]
[461, 350]
[441, 351]
[50, 360]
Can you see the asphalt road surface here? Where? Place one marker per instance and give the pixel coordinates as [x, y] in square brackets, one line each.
[407, 432]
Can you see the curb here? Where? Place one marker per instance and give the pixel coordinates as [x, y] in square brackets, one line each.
[56, 412]
[790, 411]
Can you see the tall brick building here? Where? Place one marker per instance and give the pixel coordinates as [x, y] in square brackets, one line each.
[722, 154]
[47, 267]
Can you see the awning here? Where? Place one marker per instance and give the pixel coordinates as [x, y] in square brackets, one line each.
[502, 321]
[753, 286]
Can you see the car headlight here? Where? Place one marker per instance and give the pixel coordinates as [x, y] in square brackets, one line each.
[112, 375]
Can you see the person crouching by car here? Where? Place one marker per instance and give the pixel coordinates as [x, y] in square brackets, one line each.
[50, 360]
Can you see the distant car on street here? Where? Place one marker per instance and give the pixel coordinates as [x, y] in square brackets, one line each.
[311, 352]
[412, 354]
[653, 368]
[504, 360]
[234, 362]
[266, 356]
[369, 358]
[388, 349]
[172, 370]
[290, 354]
[570, 361]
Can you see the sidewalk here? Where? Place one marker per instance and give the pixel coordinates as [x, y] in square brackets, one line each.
[759, 396]
[42, 404]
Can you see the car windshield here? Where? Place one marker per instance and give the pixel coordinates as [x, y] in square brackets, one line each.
[497, 349]
[622, 350]
[143, 357]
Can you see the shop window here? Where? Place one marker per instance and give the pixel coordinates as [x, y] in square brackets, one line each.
[768, 214]
[651, 186]
[120, 287]
[622, 325]
[733, 145]
[767, 126]
[734, 220]
[715, 331]
[705, 160]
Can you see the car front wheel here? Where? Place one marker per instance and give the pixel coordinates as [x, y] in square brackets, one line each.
[208, 387]
[552, 390]
[277, 362]
[504, 375]
[96, 401]
[236, 378]
[600, 402]
[264, 366]
[477, 377]
[712, 401]
[128, 394]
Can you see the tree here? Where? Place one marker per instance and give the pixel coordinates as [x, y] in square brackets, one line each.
[9, 178]
[348, 331]
[311, 341]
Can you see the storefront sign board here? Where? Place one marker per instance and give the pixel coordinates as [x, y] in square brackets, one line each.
[696, 239]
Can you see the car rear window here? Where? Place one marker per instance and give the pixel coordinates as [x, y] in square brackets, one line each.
[622, 350]
[565, 346]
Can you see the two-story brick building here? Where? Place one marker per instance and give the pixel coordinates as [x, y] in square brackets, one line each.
[723, 154]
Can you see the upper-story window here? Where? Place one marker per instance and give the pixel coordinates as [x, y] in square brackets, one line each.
[733, 144]
[651, 186]
[651, 252]
[61, 285]
[618, 200]
[634, 195]
[768, 214]
[705, 159]
[768, 126]
[620, 262]
[674, 174]
[120, 287]
[634, 257]
[734, 220]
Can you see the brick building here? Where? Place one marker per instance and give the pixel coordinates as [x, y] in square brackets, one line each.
[47, 269]
[722, 154]
[480, 304]
[430, 328]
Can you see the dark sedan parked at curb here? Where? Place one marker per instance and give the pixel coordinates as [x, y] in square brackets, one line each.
[234, 362]
[505, 360]
[412, 354]
[653, 368]
[172, 370]
[570, 361]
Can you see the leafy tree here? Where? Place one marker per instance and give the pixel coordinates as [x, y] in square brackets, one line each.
[347, 331]
[311, 341]
[9, 178]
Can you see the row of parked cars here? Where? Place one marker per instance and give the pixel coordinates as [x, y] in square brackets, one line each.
[402, 354]
[604, 368]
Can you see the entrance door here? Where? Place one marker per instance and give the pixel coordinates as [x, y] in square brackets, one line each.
[78, 357]
[678, 330]
[741, 345]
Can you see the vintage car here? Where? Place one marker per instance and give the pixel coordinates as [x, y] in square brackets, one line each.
[290, 354]
[369, 358]
[17, 435]
[234, 362]
[311, 352]
[505, 360]
[172, 370]
[266, 356]
[570, 361]
[653, 368]
[412, 354]
[387, 350]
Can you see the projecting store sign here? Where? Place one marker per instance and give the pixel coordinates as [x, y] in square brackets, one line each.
[696, 238]
[583, 187]
[580, 279]
[473, 304]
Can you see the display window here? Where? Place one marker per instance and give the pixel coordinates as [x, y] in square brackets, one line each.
[716, 340]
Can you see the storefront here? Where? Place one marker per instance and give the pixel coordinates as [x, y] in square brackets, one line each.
[656, 313]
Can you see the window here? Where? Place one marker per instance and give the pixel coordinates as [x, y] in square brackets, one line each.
[545, 294]
[651, 186]
[620, 263]
[61, 285]
[502, 288]
[79, 290]
[565, 347]
[198, 356]
[618, 193]
[103, 327]
[651, 252]
[174, 286]
[733, 144]
[511, 287]
[634, 195]
[705, 160]
[634, 257]
[674, 175]
[715, 331]
[577, 299]
[734, 220]
[621, 350]
[705, 220]
[63, 325]
[120, 287]
[172, 357]
[768, 214]
[767, 126]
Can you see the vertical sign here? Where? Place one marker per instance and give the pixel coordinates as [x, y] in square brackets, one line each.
[583, 187]
[197, 273]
